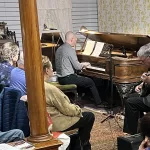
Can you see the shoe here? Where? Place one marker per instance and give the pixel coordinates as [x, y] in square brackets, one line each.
[102, 105]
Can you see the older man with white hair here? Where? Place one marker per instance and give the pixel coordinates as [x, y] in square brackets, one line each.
[136, 105]
[17, 78]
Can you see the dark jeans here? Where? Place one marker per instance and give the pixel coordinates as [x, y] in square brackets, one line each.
[134, 108]
[84, 125]
[82, 82]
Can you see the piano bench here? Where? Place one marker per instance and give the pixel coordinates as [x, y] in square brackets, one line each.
[68, 88]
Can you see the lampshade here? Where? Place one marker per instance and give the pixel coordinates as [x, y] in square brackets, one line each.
[83, 29]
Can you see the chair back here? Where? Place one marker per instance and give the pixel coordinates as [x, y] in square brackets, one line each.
[10, 98]
[1, 87]
[14, 111]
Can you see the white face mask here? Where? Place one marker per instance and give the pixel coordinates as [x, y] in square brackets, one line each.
[54, 78]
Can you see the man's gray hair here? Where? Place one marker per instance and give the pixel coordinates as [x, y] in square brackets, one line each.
[144, 51]
[8, 51]
[21, 59]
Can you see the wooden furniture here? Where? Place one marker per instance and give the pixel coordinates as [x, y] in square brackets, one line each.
[53, 40]
[6, 35]
[48, 49]
[47, 145]
[52, 144]
[34, 77]
[117, 60]
[47, 45]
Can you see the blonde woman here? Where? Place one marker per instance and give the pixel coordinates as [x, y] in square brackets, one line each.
[65, 115]
[8, 55]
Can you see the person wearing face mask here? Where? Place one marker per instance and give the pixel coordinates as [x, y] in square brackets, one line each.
[65, 115]
[8, 56]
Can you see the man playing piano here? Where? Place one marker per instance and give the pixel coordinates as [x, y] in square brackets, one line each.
[136, 105]
[67, 63]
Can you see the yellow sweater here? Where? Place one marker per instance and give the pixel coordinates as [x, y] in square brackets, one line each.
[63, 113]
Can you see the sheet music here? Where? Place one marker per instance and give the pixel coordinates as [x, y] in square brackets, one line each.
[98, 49]
[89, 47]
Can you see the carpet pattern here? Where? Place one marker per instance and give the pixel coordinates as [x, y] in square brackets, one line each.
[104, 135]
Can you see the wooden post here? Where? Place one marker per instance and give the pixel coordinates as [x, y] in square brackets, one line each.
[34, 71]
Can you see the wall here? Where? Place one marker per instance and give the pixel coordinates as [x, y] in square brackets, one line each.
[9, 13]
[84, 13]
[124, 16]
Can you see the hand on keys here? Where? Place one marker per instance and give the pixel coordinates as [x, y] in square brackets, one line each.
[85, 64]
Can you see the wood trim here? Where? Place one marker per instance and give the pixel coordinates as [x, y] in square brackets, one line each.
[33, 71]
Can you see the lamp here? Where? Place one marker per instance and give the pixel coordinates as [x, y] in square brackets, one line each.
[83, 29]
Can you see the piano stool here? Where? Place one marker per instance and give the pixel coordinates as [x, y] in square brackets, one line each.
[67, 88]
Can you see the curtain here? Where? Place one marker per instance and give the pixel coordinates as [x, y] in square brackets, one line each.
[42, 9]
[55, 14]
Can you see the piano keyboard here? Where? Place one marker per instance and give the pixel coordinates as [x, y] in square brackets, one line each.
[95, 68]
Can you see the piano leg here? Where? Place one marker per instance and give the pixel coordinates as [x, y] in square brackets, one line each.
[124, 90]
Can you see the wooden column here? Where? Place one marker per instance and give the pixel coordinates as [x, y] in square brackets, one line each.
[34, 71]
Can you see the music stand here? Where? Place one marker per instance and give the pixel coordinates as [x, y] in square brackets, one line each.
[111, 115]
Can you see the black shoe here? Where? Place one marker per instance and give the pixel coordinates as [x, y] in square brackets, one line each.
[102, 105]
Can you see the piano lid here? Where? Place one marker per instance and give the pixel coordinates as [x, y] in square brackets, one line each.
[129, 41]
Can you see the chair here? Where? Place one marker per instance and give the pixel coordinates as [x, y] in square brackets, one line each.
[1, 87]
[14, 112]
[68, 88]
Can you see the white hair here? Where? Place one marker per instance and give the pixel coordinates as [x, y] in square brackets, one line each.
[21, 59]
[8, 51]
[144, 51]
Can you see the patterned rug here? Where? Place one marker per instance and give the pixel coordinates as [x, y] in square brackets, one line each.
[104, 135]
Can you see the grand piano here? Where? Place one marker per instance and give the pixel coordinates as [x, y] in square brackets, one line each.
[113, 57]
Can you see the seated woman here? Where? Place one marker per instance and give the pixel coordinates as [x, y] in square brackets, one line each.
[65, 115]
[18, 82]
[8, 55]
